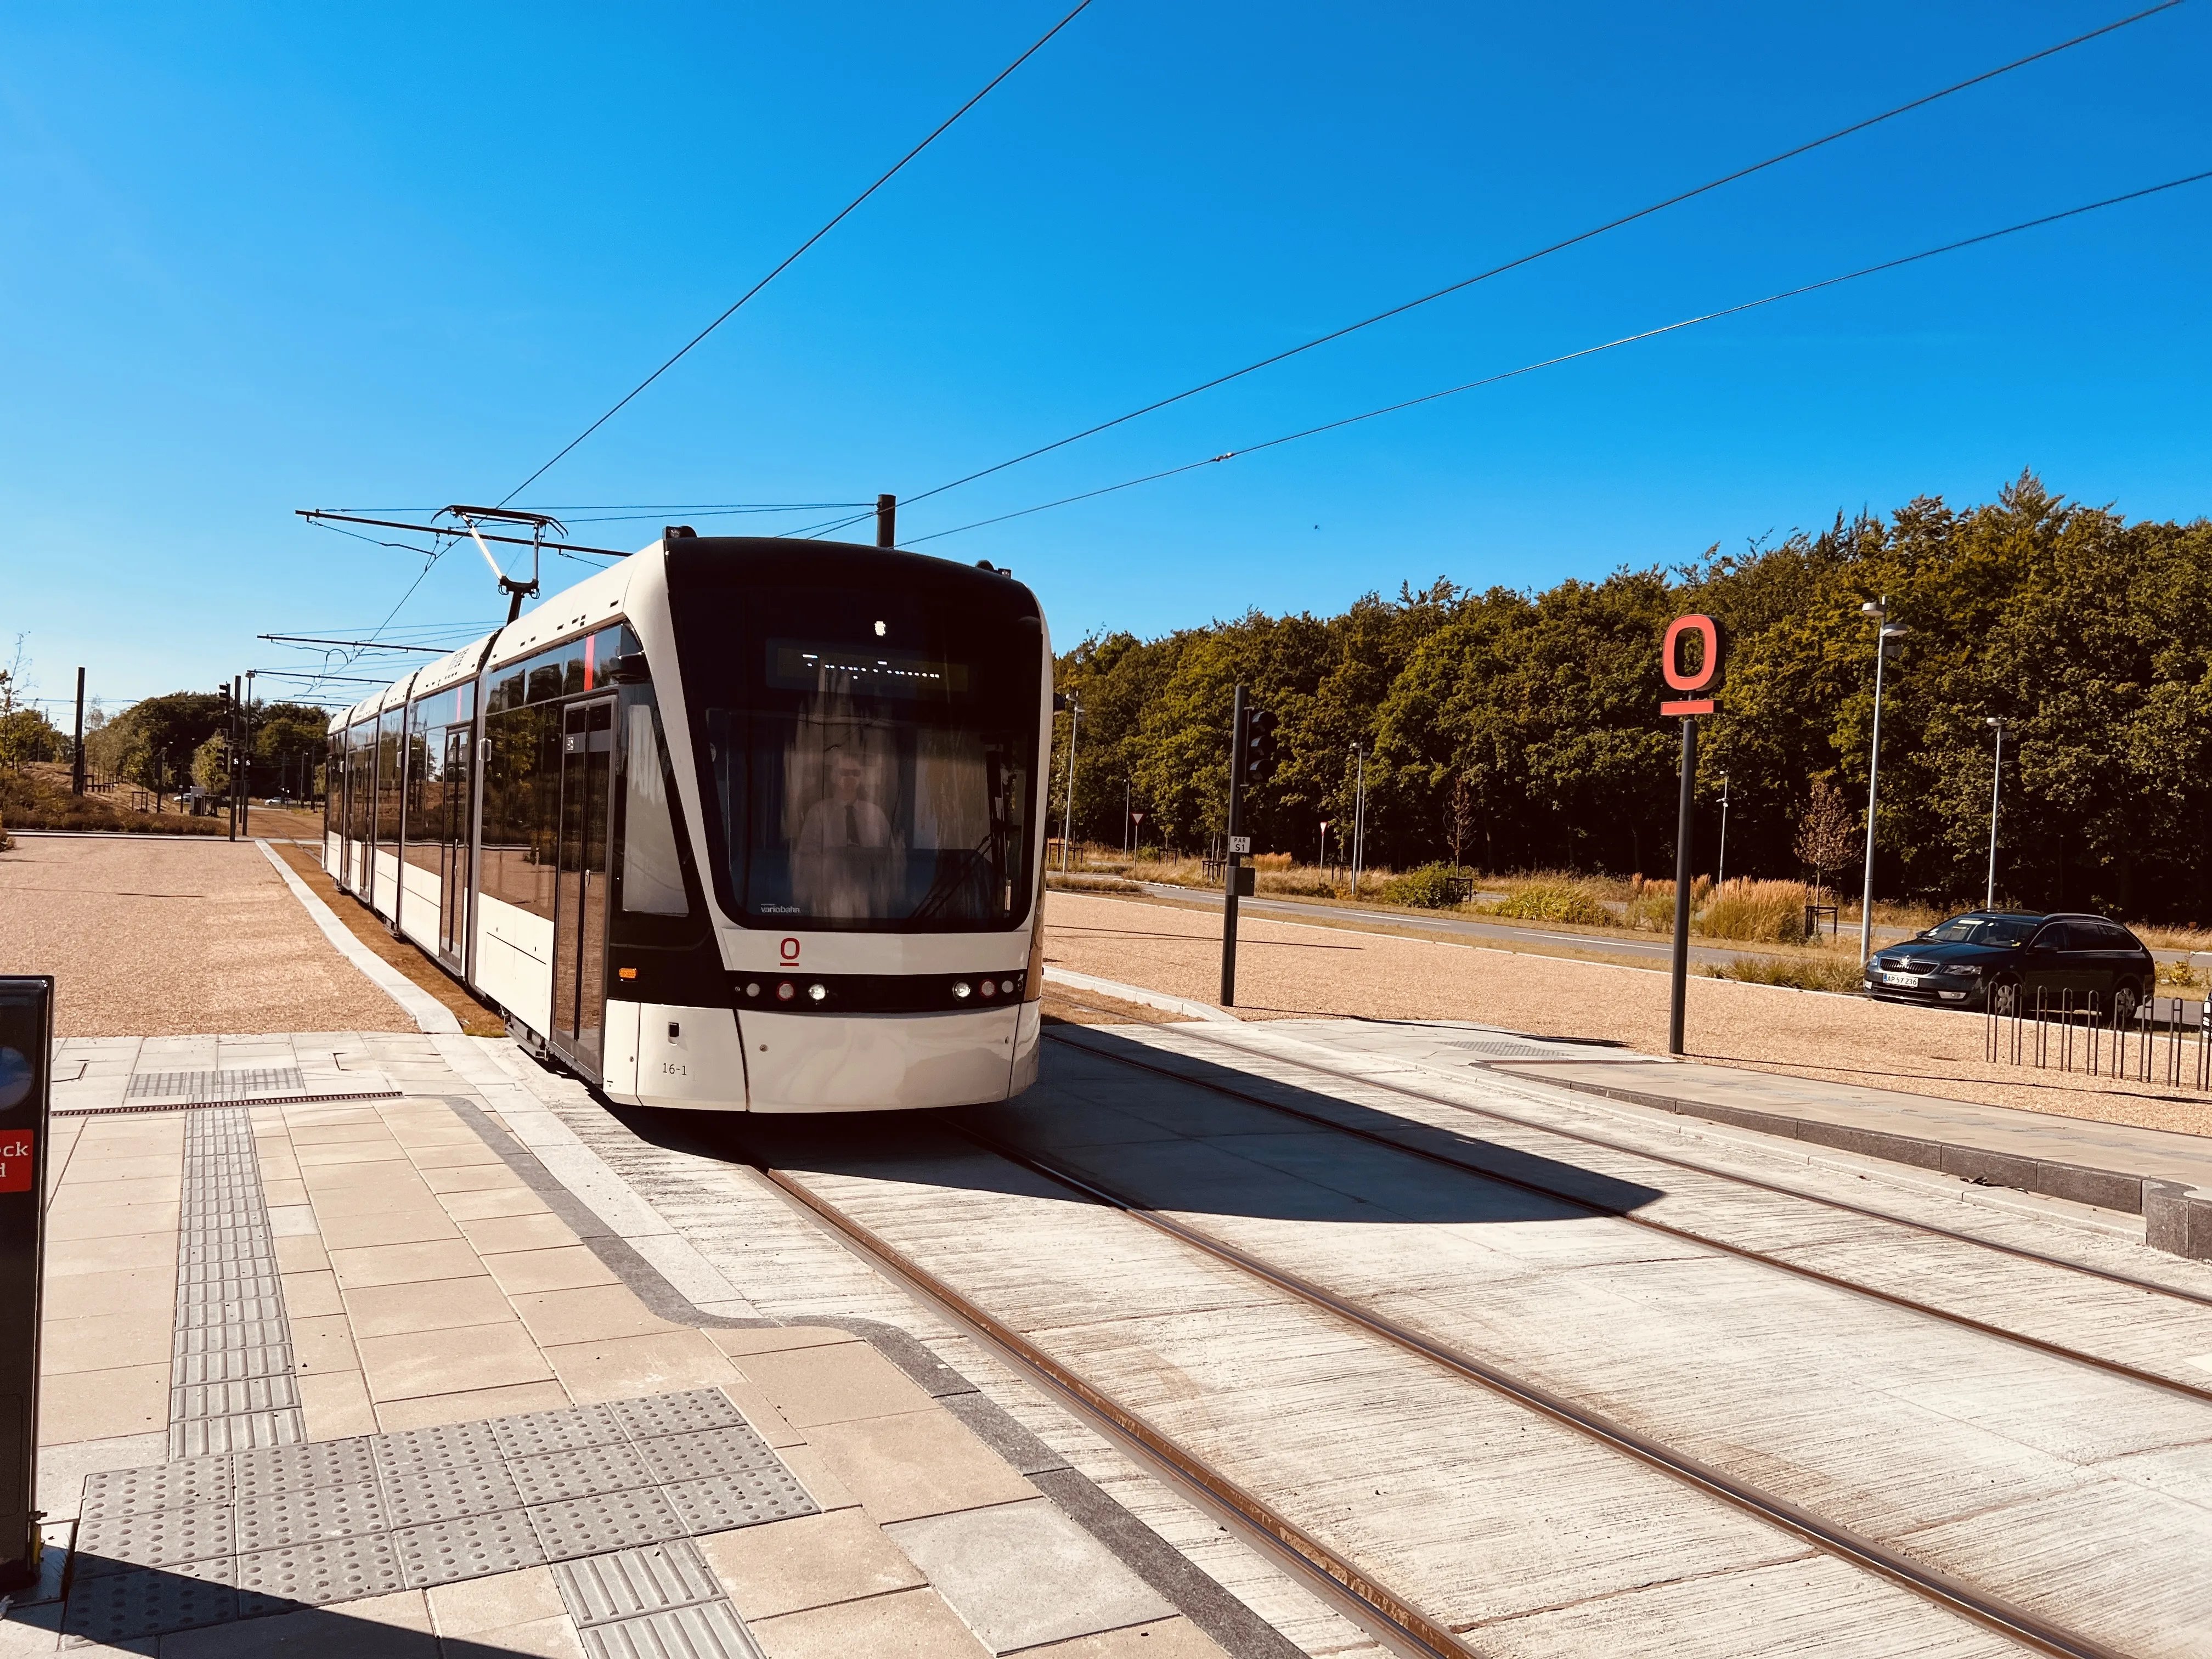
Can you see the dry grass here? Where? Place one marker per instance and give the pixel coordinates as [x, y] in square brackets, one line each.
[1553, 901]
[1797, 972]
[39, 798]
[1759, 912]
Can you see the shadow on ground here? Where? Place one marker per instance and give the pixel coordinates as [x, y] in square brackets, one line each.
[1176, 1143]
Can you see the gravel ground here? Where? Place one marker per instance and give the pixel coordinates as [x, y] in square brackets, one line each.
[1286, 970]
[172, 939]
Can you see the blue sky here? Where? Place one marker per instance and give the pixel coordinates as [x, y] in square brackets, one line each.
[254, 258]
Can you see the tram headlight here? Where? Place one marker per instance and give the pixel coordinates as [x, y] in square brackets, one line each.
[1007, 986]
[960, 989]
[990, 989]
[817, 992]
[786, 991]
[752, 987]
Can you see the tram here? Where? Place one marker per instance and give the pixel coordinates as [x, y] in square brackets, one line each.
[737, 824]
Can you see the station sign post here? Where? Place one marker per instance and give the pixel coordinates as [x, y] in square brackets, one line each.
[1689, 706]
[27, 1030]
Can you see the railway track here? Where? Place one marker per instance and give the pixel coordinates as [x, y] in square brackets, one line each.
[2101, 1363]
[1387, 1610]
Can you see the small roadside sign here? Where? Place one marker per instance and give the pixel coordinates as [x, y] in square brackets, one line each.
[1239, 844]
[26, 1034]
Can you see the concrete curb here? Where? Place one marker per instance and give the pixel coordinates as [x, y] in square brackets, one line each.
[426, 1010]
[2176, 1218]
[1138, 994]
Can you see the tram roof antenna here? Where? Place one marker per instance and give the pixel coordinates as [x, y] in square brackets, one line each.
[538, 523]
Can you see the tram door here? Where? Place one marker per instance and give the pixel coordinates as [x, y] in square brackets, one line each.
[453, 846]
[580, 904]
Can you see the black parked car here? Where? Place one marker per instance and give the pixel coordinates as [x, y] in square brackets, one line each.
[2007, 956]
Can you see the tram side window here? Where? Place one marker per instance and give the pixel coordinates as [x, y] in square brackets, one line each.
[334, 786]
[360, 771]
[389, 734]
[521, 801]
[652, 870]
[426, 782]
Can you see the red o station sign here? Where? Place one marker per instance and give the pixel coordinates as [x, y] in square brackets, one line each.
[1696, 680]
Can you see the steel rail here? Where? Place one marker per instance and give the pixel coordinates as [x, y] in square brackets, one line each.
[2017, 1251]
[2202, 1395]
[1290, 1542]
[1931, 1583]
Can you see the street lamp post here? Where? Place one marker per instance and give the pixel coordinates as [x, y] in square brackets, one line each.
[1720, 872]
[1996, 778]
[1885, 630]
[1359, 813]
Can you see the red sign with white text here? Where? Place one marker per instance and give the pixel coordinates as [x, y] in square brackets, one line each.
[15, 1161]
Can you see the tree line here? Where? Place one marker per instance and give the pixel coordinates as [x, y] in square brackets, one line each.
[1523, 727]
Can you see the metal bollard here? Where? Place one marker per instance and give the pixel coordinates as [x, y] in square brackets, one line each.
[27, 1034]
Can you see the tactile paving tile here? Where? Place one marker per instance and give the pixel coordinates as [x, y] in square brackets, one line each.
[231, 1365]
[279, 1520]
[722, 1502]
[445, 1551]
[442, 1446]
[248, 1394]
[135, 1604]
[612, 1521]
[678, 1414]
[318, 1463]
[213, 1084]
[711, 1630]
[558, 1430]
[163, 1486]
[627, 1583]
[417, 1496]
[330, 1570]
[205, 1437]
[710, 1451]
[579, 1472]
[163, 1538]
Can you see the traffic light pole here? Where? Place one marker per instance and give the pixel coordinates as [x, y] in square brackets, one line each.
[1232, 865]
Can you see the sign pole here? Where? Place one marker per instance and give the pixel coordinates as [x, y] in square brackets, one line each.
[1232, 865]
[26, 1033]
[1688, 707]
[1684, 825]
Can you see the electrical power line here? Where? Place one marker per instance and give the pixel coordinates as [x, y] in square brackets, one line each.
[1542, 252]
[791, 258]
[1587, 351]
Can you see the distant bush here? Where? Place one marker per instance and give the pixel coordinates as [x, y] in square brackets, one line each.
[1428, 887]
[1270, 860]
[1551, 901]
[1766, 912]
[1798, 972]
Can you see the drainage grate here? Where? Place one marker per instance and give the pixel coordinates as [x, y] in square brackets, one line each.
[1514, 1051]
[230, 1085]
[332, 1519]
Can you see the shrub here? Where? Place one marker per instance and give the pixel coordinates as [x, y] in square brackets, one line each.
[1651, 908]
[1768, 912]
[1428, 887]
[1801, 974]
[1551, 901]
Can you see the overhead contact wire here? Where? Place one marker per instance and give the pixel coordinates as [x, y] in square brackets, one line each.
[1571, 356]
[1556, 247]
[791, 258]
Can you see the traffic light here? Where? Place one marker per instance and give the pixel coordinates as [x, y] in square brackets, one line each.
[1259, 746]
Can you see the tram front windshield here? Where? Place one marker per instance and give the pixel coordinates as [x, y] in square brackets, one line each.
[871, 760]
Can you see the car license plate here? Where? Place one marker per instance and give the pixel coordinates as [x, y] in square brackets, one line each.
[1910, 980]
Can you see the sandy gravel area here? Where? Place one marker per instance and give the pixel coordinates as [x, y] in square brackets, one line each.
[175, 938]
[1284, 970]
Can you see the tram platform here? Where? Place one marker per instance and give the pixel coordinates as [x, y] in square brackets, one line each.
[456, 1387]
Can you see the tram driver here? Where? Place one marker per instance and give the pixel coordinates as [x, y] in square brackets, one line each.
[843, 861]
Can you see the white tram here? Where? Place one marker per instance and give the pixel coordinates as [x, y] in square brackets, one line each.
[736, 824]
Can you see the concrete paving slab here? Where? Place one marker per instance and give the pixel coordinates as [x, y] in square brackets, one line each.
[1022, 1575]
